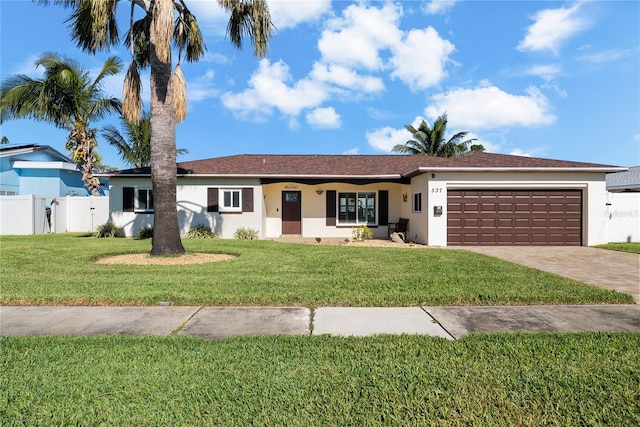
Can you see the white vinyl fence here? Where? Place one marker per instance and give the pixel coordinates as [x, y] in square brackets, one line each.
[78, 214]
[623, 215]
[23, 215]
[27, 214]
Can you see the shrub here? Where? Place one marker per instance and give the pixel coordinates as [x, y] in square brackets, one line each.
[200, 231]
[109, 230]
[246, 234]
[145, 233]
[318, 239]
[361, 232]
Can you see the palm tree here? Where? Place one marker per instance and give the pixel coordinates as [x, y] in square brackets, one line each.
[93, 27]
[430, 141]
[135, 146]
[67, 98]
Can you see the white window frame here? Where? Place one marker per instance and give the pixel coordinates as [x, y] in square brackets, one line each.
[231, 205]
[417, 202]
[148, 207]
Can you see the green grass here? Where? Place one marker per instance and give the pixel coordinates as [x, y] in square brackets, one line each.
[59, 269]
[487, 380]
[633, 248]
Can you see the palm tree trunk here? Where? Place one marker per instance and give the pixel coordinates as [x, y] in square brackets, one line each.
[166, 231]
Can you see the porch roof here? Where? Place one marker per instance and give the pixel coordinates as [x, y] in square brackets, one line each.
[364, 166]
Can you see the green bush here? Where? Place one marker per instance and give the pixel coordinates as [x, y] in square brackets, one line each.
[246, 234]
[361, 232]
[200, 231]
[145, 233]
[109, 230]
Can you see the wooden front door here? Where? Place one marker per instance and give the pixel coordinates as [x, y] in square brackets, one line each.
[291, 212]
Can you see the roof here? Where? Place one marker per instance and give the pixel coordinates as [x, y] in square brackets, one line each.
[624, 181]
[364, 166]
[19, 149]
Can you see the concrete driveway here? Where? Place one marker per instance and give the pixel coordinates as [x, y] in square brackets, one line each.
[607, 269]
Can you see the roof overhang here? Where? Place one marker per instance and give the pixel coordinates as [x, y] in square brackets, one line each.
[23, 164]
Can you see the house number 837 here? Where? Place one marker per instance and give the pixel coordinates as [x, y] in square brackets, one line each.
[436, 190]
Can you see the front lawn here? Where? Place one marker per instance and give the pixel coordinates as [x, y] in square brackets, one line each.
[480, 380]
[632, 247]
[59, 269]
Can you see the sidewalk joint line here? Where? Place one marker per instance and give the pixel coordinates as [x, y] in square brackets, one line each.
[439, 324]
[183, 324]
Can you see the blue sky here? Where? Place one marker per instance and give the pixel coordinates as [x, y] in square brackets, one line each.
[541, 78]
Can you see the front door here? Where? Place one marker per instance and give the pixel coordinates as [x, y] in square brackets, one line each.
[291, 212]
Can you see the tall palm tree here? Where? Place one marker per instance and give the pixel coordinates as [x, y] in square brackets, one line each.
[430, 141]
[93, 27]
[134, 146]
[68, 98]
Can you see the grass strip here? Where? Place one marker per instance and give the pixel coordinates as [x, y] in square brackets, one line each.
[59, 269]
[633, 247]
[489, 380]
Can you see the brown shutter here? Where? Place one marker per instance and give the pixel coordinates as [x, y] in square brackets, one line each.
[247, 199]
[383, 209]
[212, 200]
[331, 208]
[128, 199]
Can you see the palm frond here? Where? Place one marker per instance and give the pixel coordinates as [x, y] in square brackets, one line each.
[93, 24]
[162, 28]
[187, 36]
[132, 94]
[249, 19]
[179, 86]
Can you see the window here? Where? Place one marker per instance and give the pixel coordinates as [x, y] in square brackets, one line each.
[7, 193]
[356, 208]
[417, 202]
[231, 200]
[137, 199]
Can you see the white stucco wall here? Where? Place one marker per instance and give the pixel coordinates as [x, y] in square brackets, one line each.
[191, 197]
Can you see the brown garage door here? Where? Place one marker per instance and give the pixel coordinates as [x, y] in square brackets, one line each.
[505, 217]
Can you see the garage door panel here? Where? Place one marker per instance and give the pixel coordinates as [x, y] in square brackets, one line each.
[514, 217]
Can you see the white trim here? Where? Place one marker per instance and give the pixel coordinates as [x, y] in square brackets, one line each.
[222, 207]
[454, 185]
[23, 164]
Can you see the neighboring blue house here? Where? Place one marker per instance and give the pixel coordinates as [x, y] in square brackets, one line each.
[40, 170]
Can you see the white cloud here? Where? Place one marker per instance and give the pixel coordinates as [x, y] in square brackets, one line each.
[352, 151]
[607, 55]
[345, 77]
[547, 72]
[436, 7]
[356, 38]
[384, 139]
[324, 118]
[489, 107]
[519, 152]
[552, 27]
[269, 88]
[287, 13]
[202, 87]
[409, 56]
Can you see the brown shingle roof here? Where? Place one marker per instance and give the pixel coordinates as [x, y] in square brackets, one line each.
[258, 165]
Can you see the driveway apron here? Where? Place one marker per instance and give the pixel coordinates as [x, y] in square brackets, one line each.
[619, 271]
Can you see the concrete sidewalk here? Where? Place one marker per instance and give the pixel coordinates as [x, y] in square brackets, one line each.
[222, 322]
